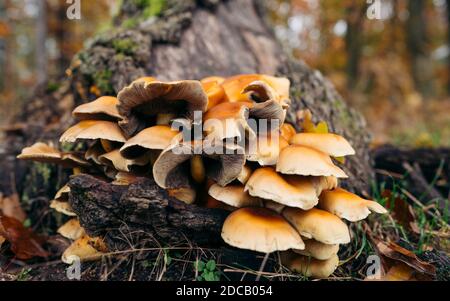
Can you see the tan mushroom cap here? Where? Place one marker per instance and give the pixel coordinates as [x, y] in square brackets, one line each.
[310, 267]
[261, 91]
[245, 174]
[234, 86]
[266, 149]
[331, 144]
[185, 194]
[41, 152]
[143, 99]
[103, 108]
[287, 131]
[84, 248]
[157, 137]
[114, 159]
[227, 120]
[260, 230]
[214, 90]
[347, 205]
[63, 193]
[92, 130]
[305, 161]
[325, 183]
[124, 178]
[234, 195]
[94, 151]
[293, 191]
[318, 250]
[71, 229]
[62, 207]
[274, 206]
[319, 225]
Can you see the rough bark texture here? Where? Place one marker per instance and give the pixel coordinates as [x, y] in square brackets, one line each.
[189, 40]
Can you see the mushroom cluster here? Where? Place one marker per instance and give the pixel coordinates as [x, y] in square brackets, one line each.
[218, 143]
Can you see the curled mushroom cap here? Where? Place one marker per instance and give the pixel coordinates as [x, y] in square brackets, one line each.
[318, 250]
[310, 267]
[261, 91]
[145, 99]
[103, 108]
[348, 205]
[71, 229]
[227, 120]
[92, 130]
[234, 86]
[261, 230]
[319, 225]
[234, 195]
[293, 191]
[157, 137]
[305, 161]
[331, 144]
[41, 152]
[266, 149]
[223, 162]
[84, 248]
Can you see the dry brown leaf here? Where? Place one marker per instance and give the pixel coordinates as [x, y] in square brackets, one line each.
[10, 206]
[399, 254]
[401, 211]
[25, 244]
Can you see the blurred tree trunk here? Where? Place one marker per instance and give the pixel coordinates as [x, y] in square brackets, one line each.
[355, 13]
[417, 45]
[448, 43]
[41, 38]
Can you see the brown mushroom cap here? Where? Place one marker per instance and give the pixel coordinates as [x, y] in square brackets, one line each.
[71, 229]
[144, 99]
[305, 161]
[41, 152]
[124, 178]
[94, 151]
[234, 195]
[62, 207]
[348, 205]
[157, 137]
[261, 91]
[214, 91]
[287, 131]
[266, 149]
[261, 230]
[103, 108]
[325, 183]
[223, 162]
[184, 194]
[310, 267]
[63, 193]
[318, 250]
[318, 224]
[92, 130]
[114, 159]
[331, 144]
[293, 191]
[84, 248]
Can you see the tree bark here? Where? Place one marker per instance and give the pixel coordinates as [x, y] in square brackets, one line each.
[189, 40]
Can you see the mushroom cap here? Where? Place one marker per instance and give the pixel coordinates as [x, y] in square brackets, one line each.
[227, 120]
[331, 144]
[287, 131]
[305, 161]
[318, 250]
[114, 159]
[224, 162]
[93, 129]
[214, 91]
[261, 91]
[41, 152]
[103, 108]
[318, 224]
[310, 267]
[269, 113]
[172, 168]
[144, 99]
[62, 207]
[234, 195]
[347, 205]
[325, 183]
[124, 178]
[84, 248]
[274, 206]
[266, 149]
[71, 229]
[245, 174]
[63, 193]
[94, 151]
[260, 230]
[185, 194]
[293, 191]
[234, 86]
[157, 137]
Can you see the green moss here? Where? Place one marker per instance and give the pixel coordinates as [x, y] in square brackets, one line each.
[52, 87]
[124, 46]
[152, 8]
[44, 171]
[102, 79]
[131, 23]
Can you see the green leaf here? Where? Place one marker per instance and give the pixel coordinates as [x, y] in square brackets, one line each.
[211, 265]
[200, 265]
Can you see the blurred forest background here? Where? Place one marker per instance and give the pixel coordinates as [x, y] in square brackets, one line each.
[395, 69]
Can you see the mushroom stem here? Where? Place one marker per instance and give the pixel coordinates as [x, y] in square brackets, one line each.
[197, 169]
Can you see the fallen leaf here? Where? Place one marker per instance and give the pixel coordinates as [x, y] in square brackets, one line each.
[308, 126]
[10, 206]
[401, 211]
[397, 253]
[25, 244]
[399, 272]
